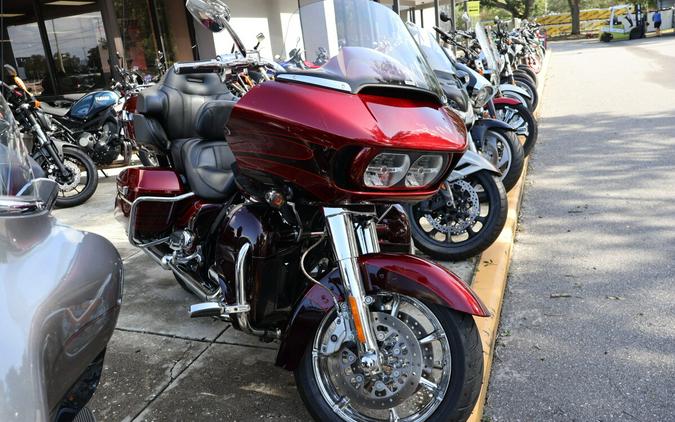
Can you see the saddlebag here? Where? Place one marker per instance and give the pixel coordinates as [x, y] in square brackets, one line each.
[149, 200]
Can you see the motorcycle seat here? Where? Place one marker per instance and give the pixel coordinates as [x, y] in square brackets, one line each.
[168, 111]
[206, 160]
[54, 111]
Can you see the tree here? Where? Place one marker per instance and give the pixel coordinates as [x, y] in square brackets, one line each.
[574, 11]
[522, 9]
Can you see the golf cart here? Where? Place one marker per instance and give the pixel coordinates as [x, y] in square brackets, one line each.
[626, 22]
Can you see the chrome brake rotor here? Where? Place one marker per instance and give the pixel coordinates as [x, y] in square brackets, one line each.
[402, 364]
[468, 204]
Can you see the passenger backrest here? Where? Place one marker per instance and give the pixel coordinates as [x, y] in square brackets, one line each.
[175, 101]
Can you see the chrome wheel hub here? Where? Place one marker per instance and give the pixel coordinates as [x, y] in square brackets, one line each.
[401, 367]
[415, 364]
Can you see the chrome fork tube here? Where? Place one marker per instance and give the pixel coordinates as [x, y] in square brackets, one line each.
[366, 236]
[344, 240]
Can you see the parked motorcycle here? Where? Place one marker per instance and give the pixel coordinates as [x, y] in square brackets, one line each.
[275, 231]
[60, 295]
[66, 164]
[510, 102]
[469, 212]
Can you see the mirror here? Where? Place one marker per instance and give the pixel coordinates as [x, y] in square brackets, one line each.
[214, 15]
[466, 19]
[444, 17]
[10, 70]
[260, 37]
[47, 190]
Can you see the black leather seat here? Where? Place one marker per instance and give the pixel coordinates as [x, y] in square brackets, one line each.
[167, 111]
[185, 116]
[206, 160]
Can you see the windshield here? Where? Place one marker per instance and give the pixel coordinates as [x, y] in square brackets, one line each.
[433, 52]
[355, 44]
[487, 47]
[17, 193]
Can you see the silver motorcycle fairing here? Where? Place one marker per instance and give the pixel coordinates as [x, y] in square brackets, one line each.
[471, 162]
[515, 89]
[60, 295]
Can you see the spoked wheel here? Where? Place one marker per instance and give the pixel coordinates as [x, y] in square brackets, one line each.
[431, 368]
[462, 220]
[503, 147]
[79, 184]
[521, 118]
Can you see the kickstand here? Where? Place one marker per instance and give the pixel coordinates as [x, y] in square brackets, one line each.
[104, 175]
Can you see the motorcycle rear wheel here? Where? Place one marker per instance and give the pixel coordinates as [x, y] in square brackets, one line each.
[474, 232]
[451, 367]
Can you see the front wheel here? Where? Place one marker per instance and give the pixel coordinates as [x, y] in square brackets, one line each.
[76, 187]
[520, 118]
[462, 220]
[432, 366]
[501, 146]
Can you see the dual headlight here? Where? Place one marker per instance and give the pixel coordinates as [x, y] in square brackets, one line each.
[389, 169]
[483, 95]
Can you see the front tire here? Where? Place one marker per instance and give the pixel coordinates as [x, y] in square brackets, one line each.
[73, 192]
[462, 367]
[463, 236]
[510, 156]
[521, 118]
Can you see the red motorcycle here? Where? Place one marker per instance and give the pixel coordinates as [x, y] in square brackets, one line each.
[275, 228]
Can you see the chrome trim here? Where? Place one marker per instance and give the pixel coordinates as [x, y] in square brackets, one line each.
[366, 237]
[193, 285]
[316, 80]
[341, 229]
[240, 293]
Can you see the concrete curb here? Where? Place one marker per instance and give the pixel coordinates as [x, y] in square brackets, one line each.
[492, 270]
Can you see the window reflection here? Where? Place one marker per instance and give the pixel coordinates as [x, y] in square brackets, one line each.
[29, 55]
[80, 51]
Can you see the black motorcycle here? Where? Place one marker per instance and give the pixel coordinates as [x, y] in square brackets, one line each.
[68, 165]
[91, 123]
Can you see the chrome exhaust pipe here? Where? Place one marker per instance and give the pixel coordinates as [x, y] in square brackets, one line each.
[193, 285]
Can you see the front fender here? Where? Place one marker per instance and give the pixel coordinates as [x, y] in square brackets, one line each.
[404, 274]
[507, 100]
[470, 163]
[515, 88]
[481, 126]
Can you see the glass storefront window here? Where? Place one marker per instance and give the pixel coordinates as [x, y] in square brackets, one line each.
[152, 26]
[80, 49]
[24, 49]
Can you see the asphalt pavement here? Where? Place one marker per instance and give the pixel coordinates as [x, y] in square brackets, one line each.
[588, 324]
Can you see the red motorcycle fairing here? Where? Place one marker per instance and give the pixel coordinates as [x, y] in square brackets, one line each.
[308, 136]
[403, 274]
[506, 100]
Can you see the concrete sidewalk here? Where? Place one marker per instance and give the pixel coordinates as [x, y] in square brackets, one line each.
[588, 324]
[163, 366]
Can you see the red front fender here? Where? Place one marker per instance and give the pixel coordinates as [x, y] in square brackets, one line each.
[506, 100]
[404, 274]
